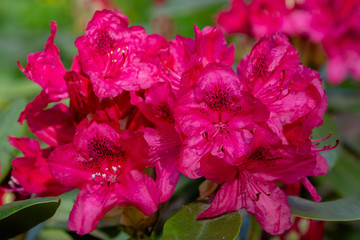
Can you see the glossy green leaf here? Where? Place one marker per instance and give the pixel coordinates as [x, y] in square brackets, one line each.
[20, 216]
[345, 209]
[183, 225]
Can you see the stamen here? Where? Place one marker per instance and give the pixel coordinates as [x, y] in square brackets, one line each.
[327, 147]
[14, 180]
[322, 139]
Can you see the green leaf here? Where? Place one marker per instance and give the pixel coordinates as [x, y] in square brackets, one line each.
[345, 209]
[183, 225]
[344, 177]
[20, 216]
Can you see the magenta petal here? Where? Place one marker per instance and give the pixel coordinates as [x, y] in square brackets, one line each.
[227, 199]
[139, 190]
[45, 68]
[164, 151]
[212, 47]
[167, 176]
[189, 162]
[26, 145]
[90, 206]
[38, 104]
[65, 167]
[321, 165]
[273, 212]
[31, 172]
[54, 126]
[217, 169]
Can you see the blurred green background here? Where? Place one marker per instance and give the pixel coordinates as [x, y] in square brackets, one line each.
[24, 28]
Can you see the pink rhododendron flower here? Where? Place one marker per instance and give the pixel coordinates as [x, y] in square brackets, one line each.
[184, 58]
[216, 117]
[273, 74]
[249, 181]
[105, 164]
[111, 53]
[31, 171]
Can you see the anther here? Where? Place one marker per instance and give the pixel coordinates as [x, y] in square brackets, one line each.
[14, 180]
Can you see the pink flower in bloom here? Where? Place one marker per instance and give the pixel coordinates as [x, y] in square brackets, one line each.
[106, 166]
[216, 117]
[111, 53]
[249, 181]
[273, 74]
[31, 171]
[183, 58]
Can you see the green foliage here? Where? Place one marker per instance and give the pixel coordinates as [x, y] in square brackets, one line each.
[183, 225]
[346, 209]
[20, 216]
[9, 126]
[344, 177]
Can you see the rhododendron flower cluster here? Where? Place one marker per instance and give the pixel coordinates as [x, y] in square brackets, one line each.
[143, 109]
[332, 23]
